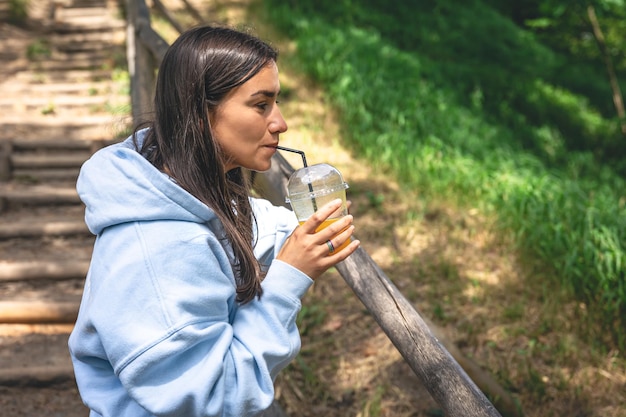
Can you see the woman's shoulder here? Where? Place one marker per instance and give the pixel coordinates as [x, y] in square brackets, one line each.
[261, 206]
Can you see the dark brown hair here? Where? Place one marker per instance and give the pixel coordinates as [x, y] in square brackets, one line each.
[199, 69]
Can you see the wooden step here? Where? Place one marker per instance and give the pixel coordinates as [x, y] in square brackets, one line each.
[44, 329]
[36, 376]
[45, 175]
[69, 57]
[79, 42]
[80, 10]
[36, 270]
[66, 76]
[87, 127]
[48, 161]
[52, 144]
[37, 311]
[93, 47]
[69, 63]
[88, 24]
[37, 195]
[110, 38]
[68, 89]
[97, 102]
[31, 229]
[36, 355]
[50, 362]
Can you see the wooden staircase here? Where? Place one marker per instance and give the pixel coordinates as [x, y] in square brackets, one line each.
[62, 97]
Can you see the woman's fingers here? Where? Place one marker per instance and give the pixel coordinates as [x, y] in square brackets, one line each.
[339, 256]
[316, 220]
[335, 228]
[320, 242]
[336, 242]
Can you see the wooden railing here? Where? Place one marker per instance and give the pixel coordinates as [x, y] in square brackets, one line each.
[145, 49]
[438, 368]
[447, 382]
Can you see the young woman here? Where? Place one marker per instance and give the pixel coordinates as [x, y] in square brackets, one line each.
[190, 303]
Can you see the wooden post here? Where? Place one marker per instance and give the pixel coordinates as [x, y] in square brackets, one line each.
[193, 11]
[141, 63]
[168, 16]
[5, 160]
[444, 378]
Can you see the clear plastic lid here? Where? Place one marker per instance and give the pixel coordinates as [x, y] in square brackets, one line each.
[314, 181]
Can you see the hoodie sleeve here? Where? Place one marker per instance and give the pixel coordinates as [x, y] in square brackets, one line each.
[273, 226]
[167, 319]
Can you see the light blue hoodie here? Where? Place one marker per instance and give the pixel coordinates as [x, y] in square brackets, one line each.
[159, 332]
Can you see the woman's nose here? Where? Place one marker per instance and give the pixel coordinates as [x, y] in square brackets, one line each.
[278, 124]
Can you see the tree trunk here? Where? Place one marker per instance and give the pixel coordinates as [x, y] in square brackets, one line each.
[617, 93]
[141, 63]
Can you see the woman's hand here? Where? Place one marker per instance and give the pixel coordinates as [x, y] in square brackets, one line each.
[314, 252]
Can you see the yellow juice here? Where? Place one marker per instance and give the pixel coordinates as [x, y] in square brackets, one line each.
[327, 223]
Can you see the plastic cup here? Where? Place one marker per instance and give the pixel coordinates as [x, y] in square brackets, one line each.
[313, 186]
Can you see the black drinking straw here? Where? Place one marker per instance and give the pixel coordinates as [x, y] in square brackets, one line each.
[282, 148]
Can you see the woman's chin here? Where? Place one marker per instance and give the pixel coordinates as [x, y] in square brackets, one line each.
[261, 167]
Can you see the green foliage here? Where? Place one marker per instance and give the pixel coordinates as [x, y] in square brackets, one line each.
[38, 49]
[48, 110]
[310, 317]
[461, 103]
[564, 26]
[18, 11]
[373, 407]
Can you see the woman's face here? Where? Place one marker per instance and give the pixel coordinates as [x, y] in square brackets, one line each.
[247, 122]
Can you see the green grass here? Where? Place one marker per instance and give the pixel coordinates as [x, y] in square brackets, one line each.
[38, 50]
[431, 94]
[18, 11]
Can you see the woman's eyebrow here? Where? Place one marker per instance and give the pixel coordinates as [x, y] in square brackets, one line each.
[266, 93]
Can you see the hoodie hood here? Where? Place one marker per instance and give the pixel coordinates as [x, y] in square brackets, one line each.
[118, 185]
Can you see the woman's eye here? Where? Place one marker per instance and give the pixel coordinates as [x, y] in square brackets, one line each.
[266, 104]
